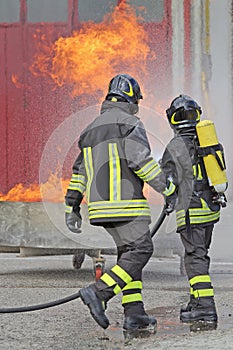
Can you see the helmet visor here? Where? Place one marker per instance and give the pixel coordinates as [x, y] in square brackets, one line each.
[181, 115]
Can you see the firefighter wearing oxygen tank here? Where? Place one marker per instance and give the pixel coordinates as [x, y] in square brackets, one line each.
[199, 199]
[114, 162]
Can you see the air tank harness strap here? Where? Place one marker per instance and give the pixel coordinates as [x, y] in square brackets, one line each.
[205, 151]
[187, 222]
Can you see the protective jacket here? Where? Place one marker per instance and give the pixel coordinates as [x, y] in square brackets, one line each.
[114, 162]
[195, 197]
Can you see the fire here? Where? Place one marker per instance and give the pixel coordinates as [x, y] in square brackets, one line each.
[92, 55]
[48, 192]
[86, 61]
[16, 81]
[53, 191]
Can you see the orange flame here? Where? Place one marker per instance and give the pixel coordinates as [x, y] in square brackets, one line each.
[48, 192]
[92, 55]
[15, 81]
[86, 61]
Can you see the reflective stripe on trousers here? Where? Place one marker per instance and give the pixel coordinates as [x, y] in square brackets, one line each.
[134, 247]
[196, 259]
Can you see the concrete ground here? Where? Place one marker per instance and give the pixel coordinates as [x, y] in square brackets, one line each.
[33, 280]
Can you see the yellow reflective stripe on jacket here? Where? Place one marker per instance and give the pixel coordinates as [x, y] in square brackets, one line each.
[119, 213]
[131, 298]
[114, 173]
[191, 291]
[197, 215]
[196, 212]
[89, 168]
[77, 183]
[204, 210]
[200, 279]
[121, 204]
[124, 276]
[203, 293]
[133, 207]
[194, 171]
[149, 171]
[78, 178]
[110, 282]
[133, 285]
[197, 172]
[170, 190]
[199, 219]
[76, 187]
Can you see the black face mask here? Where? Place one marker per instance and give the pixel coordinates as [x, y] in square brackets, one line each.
[185, 115]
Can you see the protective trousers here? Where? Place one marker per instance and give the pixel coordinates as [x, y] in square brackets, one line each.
[196, 242]
[134, 249]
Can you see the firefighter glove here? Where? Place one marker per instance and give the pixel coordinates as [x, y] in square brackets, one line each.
[73, 219]
[170, 196]
[170, 203]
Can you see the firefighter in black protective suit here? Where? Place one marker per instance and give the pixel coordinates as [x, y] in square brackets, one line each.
[196, 210]
[114, 162]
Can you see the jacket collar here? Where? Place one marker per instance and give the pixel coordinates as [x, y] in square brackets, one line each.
[130, 108]
[186, 132]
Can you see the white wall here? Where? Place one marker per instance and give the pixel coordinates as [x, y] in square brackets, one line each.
[211, 49]
[220, 85]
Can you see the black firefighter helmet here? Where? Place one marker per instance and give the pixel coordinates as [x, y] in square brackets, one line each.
[125, 86]
[184, 112]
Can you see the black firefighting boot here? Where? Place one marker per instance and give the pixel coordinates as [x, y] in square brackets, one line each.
[139, 322]
[192, 302]
[95, 304]
[136, 318]
[204, 310]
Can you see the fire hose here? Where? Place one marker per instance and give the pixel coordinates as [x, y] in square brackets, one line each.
[158, 223]
[74, 296]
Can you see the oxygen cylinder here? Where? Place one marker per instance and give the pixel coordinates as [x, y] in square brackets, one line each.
[212, 153]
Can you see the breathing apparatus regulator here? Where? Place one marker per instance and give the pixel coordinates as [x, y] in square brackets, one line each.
[184, 113]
